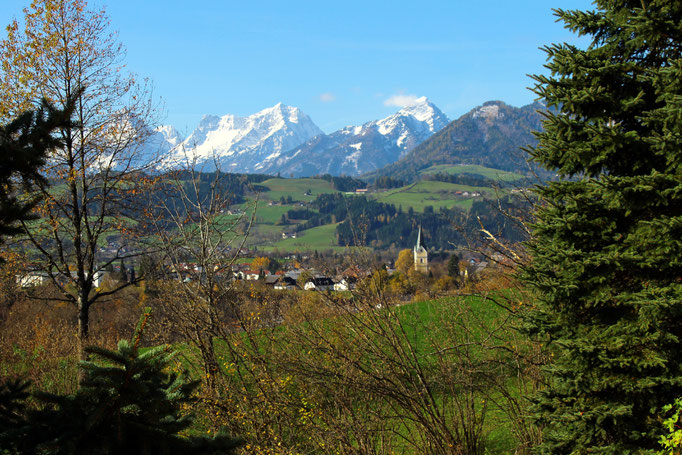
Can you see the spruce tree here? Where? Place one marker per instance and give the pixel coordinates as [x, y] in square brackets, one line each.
[13, 395]
[129, 403]
[24, 145]
[606, 259]
[453, 265]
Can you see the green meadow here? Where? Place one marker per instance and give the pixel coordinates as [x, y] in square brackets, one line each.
[464, 328]
[296, 188]
[430, 193]
[318, 238]
[490, 173]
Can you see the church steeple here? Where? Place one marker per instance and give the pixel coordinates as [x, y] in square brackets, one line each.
[419, 238]
[421, 256]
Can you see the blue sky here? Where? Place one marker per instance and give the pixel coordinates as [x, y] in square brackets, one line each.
[342, 63]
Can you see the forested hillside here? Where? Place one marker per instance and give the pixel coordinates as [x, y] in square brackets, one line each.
[490, 135]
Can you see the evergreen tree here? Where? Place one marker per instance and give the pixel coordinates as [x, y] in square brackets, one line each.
[123, 271]
[13, 395]
[453, 265]
[606, 255]
[24, 144]
[59, 48]
[128, 403]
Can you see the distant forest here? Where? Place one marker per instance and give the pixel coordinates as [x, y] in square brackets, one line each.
[363, 221]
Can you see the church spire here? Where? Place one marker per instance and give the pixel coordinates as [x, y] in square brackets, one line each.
[419, 238]
[421, 256]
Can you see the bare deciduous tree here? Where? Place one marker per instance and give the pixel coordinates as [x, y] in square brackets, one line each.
[199, 242]
[64, 48]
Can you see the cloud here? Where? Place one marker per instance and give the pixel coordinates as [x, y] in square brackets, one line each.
[327, 97]
[401, 100]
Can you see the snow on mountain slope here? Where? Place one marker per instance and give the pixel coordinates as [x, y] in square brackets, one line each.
[158, 145]
[240, 144]
[491, 135]
[355, 150]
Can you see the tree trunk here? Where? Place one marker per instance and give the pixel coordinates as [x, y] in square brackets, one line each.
[83, 331]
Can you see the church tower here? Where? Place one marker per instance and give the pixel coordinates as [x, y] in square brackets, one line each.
[421, 256]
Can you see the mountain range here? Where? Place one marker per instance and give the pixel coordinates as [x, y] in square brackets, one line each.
[240, 144]
[491, 135]
[355, 150]
[282, 139]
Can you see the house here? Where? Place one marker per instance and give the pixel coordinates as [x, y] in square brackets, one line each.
[253, 275]
[319, 283]
[295, 273]
[99, 276]
[346, 284]
[271, 280]
[32, 278]
[285, 283]
[248, 275]
[38, 278]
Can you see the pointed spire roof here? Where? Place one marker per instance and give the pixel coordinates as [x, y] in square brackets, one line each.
[419, 245]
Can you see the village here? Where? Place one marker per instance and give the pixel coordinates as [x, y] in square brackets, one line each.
[288, 275]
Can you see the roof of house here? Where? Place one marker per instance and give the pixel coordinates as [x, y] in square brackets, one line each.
[271, 279]
[321, 281]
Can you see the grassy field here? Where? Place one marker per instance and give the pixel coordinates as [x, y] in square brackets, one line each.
[446, 316]
[424, 323]
[40, 227]
[266, 232]
[267, 228]
[270, 214]
[493, 174]
[318, 238]
[427, 326]
[295, 188]
[425, 193]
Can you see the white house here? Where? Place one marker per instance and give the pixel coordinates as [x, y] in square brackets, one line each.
[30, 279]
[285, 283]
[346, 284]
[321, 283]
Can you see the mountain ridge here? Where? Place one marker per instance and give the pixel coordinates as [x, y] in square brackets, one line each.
[353, 150]
[239, 144]
[284, 140]
[490, 135]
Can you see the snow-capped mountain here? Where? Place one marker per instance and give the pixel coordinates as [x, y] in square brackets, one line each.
[355, 150]
[164, 139]
[156, 147]
[490, 135]
[242, 144]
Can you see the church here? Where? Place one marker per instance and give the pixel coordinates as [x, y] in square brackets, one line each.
[421, 256]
